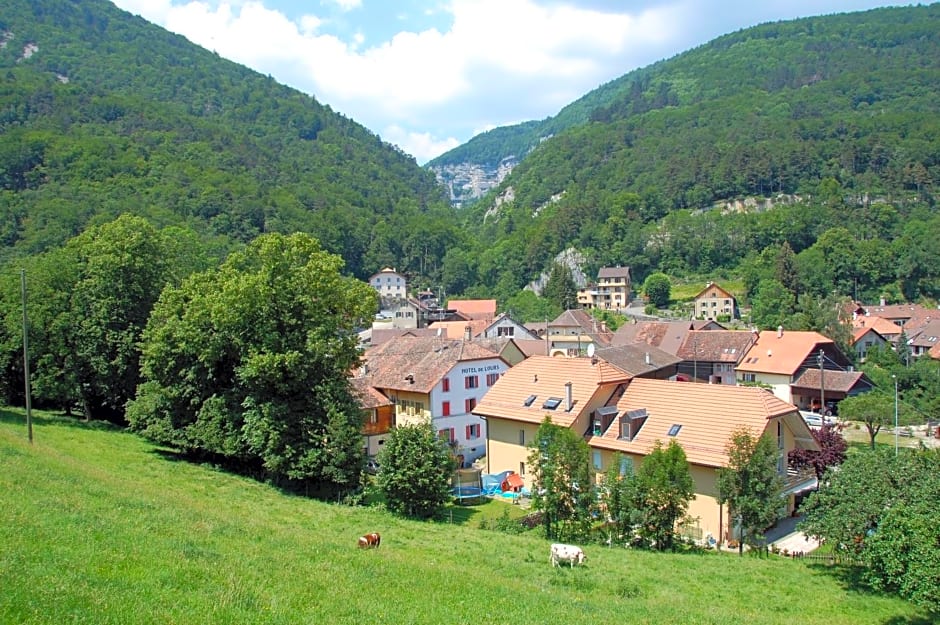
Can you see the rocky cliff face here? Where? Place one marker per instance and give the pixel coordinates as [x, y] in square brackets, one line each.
[467, 182]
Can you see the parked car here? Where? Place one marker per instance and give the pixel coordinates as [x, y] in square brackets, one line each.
[372, 466]
[815, 420]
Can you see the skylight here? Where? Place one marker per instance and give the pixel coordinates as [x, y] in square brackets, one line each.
[528, 400]
[551, 403]
[674, 430]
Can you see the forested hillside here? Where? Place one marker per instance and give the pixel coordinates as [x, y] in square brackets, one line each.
[102, 113]
[822, 134]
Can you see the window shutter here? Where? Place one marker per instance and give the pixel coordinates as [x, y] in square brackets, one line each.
[468, 433]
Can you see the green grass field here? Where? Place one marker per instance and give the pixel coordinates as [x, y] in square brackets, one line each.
[100, 527]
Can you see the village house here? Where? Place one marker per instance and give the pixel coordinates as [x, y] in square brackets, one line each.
[610, 292]
[864, 339]
[474, 309]
[778, 359]
[712, 355]
[389, 283]
[715, 303]
[438, 379]
[378, 415]
[619, 414]
[573, 331]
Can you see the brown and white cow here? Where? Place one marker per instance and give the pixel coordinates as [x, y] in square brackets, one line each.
[370, 541]
[562, 553]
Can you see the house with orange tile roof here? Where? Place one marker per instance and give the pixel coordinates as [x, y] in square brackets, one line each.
[571, 390]
[460, 329]
[896, 313]
[474, 308]
[620, 414]
[778, 358]
[701, 418]
[867, 338]
[571, 332]
[714, 301]
[438, 379]
[888, 330]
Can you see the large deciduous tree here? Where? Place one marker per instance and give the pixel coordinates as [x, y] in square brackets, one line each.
[563, 481]
[749, 484]
[417, 467]
[249, 362]
[664, 489]
[881, 507]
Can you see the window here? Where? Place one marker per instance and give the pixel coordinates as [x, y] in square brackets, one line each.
[445, 409]
[779, 435]
[491, 378]
[626, 464]
[505, 331]
[473, 431]
[551, 403]
[373, 417]
[469, 404]
[445, 385]
[674, 430]
[528, 400]
[596, 455]
[471, 381]
[522, 438]
[521, 468]
[748, 377]
[447, 434]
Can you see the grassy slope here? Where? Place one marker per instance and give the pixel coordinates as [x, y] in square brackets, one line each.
[98, 526]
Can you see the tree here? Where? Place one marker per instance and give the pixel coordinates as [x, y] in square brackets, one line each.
[618, 498]
[657, 289]
[875, 409]
[562, 488]
[664, 488]
[417, 467]
[882, 508]
[561, 288]
[249, 363]
[832, 448]
[750, 484]
[785, 269]
[771, 305]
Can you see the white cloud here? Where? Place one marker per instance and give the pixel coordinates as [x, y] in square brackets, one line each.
[495, 61]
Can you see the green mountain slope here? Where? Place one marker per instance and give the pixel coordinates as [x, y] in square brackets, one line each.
[835, 113]
[103, 113]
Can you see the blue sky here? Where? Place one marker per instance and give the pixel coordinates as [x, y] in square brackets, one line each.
[427, 75]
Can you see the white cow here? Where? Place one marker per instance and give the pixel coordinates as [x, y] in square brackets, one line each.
[566, 553]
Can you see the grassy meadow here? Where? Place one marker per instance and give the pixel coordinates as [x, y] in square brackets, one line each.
[97, 526]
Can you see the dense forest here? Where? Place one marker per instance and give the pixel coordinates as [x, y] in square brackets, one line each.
[819, 135]
[812, 144]
[102, 113]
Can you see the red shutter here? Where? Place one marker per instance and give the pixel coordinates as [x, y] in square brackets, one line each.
[468, 433]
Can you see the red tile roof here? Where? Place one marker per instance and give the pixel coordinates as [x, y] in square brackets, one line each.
[716, 345]
[474, 308]
[368, 396]
[427, 360]
[836, 381]
[456, 329]
[707, 414]
[884, 327]
[781, 353]
[544, 377]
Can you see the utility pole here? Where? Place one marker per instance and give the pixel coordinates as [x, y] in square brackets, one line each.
[822, 386]
[895, 413]
[29, 405]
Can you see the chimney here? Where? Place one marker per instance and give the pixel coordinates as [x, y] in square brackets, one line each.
[466, 333]
[647, 359]
[569, 402]
[882, 300]
[779, 332]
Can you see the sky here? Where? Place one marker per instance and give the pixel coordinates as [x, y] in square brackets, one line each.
[428, 75]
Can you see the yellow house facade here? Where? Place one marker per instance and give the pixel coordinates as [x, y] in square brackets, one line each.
[628, 416]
